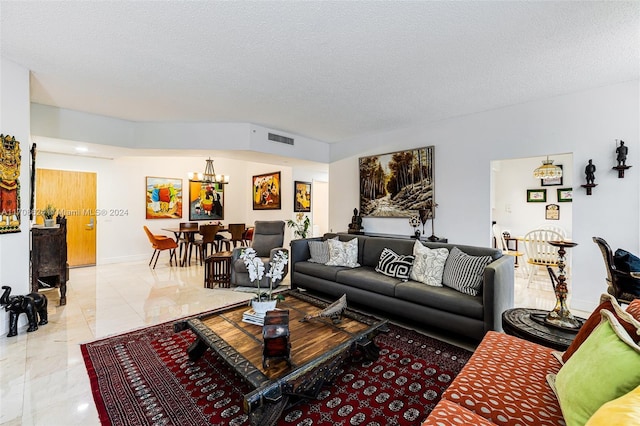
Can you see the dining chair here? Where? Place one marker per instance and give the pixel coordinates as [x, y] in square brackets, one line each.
[187, 239]
[208, 241]
[501, 244]
[539, 252]
[559, 229]
[247, 237]
[237, 234]
[160, 243]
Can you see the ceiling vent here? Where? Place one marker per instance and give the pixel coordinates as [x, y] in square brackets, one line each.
[281, 139]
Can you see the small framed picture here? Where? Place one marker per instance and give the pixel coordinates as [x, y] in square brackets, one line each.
[565, 195]
[552, 182]
[302, 199]
[552, 212]
[536, 195]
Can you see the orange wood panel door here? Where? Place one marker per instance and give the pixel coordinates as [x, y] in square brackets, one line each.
[74, 195]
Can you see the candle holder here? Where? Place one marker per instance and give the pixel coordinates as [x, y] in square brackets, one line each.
[560, 316]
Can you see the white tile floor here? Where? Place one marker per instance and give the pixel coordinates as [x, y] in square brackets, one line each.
[43, 379]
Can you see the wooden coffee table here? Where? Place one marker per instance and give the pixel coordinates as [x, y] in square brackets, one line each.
[318, 349]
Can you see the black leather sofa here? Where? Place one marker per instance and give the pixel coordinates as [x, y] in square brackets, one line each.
[441, 307]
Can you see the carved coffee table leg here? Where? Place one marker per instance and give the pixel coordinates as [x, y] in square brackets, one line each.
[270, 412]
[196, 349]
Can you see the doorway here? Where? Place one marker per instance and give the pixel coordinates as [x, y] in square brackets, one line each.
[74, 196]
[521, 203]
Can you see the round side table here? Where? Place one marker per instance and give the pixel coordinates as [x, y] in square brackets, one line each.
[217, 269]
[521, 322]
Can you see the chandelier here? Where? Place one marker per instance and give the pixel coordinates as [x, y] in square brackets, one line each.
[547, 171]
[209, 175]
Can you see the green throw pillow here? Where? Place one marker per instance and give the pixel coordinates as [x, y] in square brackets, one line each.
[605, 367]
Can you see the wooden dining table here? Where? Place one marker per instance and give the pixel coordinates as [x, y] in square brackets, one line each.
[189, 234]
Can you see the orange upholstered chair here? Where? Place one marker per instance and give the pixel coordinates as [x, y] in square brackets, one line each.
[159, 243]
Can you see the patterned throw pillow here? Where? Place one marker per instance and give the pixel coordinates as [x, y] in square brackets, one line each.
[319, 251]
[428, 266]
[394, 265]
[463, 272]
[343, 253]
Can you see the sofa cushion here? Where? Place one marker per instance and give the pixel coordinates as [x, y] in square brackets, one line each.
[373, 246]
[464, 272]
[441, 298]
[609, 303]
[499, 385]
[394, 265]
[319, 251]
[447, 413]
[428, 265]
[367, 278]
[605, 367]
[623, 411]
[318, 270]
[343, 253]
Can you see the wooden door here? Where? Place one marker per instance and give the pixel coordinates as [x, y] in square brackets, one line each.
[74, 195]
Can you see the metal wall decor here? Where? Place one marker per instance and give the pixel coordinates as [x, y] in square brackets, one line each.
[396, 184]
[590, 176]
[9, 185]
[621, 157]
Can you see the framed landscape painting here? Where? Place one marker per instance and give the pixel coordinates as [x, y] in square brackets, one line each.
[206, 201]
[396, 184]
[163, 198]
[266, 191]
[302, 199]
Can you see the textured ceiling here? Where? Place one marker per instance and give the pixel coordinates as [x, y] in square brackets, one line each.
[326, 70]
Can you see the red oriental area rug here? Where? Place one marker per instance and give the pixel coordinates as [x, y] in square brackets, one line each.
[145, 377]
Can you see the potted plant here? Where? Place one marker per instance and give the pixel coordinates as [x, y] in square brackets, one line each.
[48, 213]
[300, 225]
[264, 301]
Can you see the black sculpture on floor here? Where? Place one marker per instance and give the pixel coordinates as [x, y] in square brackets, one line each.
[32, 304]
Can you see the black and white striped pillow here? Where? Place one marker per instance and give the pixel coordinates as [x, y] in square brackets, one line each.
[463, 272]
[394, 265]
[319, 251]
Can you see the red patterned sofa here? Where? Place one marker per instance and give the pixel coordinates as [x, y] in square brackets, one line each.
[505, 381]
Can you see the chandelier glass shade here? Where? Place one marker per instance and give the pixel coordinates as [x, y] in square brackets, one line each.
[547, 171]
[209, 175]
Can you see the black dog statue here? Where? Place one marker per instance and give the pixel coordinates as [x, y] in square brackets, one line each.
[32, 304]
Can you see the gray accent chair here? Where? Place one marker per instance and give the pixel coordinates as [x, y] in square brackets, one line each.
[268, 238]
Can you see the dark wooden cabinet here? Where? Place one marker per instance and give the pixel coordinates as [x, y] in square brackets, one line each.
[49, 267]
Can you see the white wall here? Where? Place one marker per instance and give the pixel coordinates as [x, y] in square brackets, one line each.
[512, 178]
[585, 124]
[121, 185]
[14, 121]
